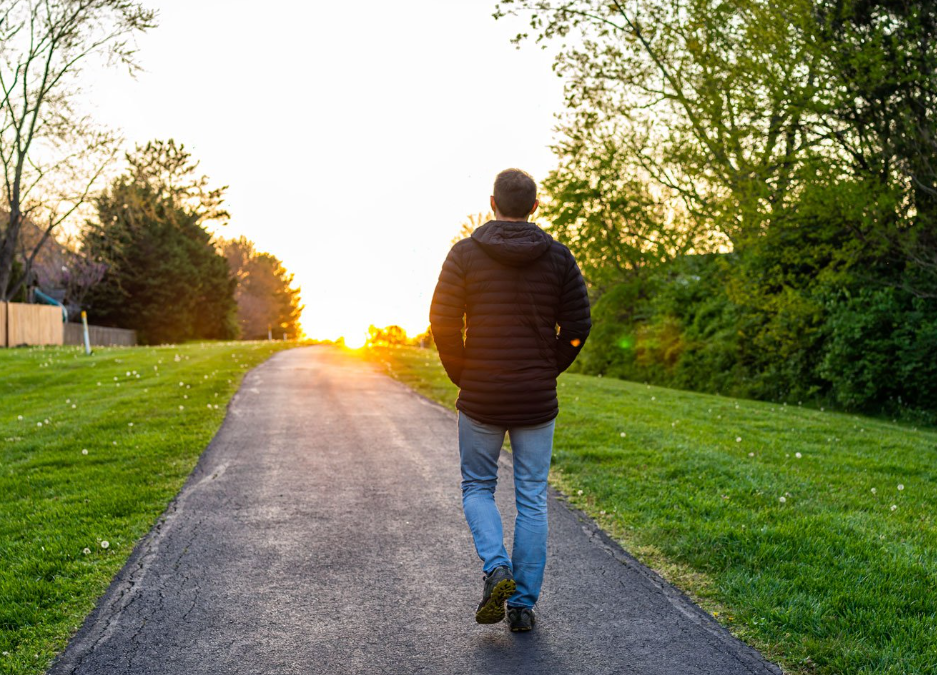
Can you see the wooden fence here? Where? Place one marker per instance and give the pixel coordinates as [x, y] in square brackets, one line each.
[22, 324]
[100, 336]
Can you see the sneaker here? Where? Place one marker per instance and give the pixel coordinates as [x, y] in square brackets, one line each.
[521, 618]
[499, 586]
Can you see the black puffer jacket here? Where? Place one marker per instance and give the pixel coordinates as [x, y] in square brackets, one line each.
[514, 285]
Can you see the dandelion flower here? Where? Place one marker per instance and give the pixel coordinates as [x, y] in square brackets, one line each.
[900, 487]
[181, 407]
[874, 491]
[738, 439]
[19, 417]
[84, 451]
[129, 424]
[105, 544]
[86, 551]
[894, 507]
[38, 424]
[209, 406]
[751, 454]
[798, 455]
[579, 492]
[74, 406]
[782, 499]
[182, 384]
[623, 434]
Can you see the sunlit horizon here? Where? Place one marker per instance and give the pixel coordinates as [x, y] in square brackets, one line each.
[354, 161]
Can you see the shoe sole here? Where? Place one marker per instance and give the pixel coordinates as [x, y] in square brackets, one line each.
[521, 629]
[493, 610]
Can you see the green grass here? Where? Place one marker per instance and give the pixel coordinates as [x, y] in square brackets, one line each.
[144, 415]
[826, 561]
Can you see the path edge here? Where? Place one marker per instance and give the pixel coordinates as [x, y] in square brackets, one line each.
[120, 592]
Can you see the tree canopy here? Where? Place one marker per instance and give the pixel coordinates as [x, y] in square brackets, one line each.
[164, 276]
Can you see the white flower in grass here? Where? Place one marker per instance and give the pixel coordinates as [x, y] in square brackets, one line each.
[38, 424]
[19, 417]
[99, 384]
[209, 406]
[623, 434]
[114, 442]
[74, 406]
[738, 439]
[128, 373]
[185, 396]
[84, 451]
[216, 406]
[874, 491]
[894, 507]
[68, 400]
[751, 454]
[129, 424]
[182, 384]
[181, 407]
[900, 487]
[86, 551]
[653, 398]
[782, 499]
[798, 455]
[579, 492]
[105, 544]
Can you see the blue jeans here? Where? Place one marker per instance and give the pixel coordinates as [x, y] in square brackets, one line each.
[479, 447]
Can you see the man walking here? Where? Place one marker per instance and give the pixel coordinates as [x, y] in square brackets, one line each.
[522, 301]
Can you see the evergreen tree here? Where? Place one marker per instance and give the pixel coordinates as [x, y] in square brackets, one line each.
[164, 277]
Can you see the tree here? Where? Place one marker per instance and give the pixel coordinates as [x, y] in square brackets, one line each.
[51, 154]
[265, 296]
[472, 223]
[164, 276]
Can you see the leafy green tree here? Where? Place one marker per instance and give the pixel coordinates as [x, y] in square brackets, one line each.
[164, 277]
[795, 142]
[267, 302]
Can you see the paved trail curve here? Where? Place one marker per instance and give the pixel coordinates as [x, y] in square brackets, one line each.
[322, 532]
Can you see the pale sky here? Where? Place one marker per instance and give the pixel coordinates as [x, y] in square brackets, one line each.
[355, 136]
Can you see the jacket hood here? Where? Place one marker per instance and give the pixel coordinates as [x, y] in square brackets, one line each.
[513, 243]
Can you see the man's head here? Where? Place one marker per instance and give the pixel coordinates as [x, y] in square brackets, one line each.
[515, 195]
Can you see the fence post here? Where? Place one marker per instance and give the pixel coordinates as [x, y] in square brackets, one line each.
[84, 322]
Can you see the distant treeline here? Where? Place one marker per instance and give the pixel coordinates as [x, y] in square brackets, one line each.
[751, 190]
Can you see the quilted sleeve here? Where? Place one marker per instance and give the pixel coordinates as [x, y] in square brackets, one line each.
[574, 317]
[446, 315]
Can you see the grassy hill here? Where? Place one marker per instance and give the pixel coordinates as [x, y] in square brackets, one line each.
[810, 534]
[92, 448]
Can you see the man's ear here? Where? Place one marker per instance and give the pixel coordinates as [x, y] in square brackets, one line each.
[494, 207]
[534, 208]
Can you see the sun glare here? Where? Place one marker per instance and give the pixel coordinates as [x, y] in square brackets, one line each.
[355, 340]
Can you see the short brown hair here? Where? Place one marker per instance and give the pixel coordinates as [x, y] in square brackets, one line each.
[515, 193]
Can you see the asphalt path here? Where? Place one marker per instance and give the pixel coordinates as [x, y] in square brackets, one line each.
[322, 532]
